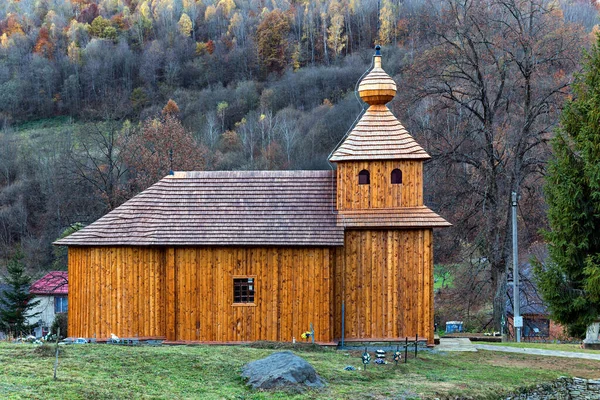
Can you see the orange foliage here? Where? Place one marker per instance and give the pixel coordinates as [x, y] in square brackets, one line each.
[171, 108]
[119, 21]
[44, 45]
[13, 26]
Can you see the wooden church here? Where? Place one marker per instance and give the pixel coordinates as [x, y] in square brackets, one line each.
[217, 256]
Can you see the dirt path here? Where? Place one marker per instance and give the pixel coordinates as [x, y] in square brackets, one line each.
[539, 352]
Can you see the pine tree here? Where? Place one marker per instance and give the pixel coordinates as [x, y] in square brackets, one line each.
[16, 302]
[570, 280]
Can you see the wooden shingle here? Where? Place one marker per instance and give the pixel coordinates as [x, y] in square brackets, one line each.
[379, 136]
[223, 208]
[402, 217]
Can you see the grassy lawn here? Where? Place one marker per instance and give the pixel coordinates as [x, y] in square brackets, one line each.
[545, 346]
[212, 372]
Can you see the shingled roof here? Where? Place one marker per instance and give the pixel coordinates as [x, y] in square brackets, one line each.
[379, 136]
[223, 208]
[53, 283]
[406, 217]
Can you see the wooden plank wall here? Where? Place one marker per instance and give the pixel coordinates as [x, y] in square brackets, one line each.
[385, 278]
[116, 290]
[380, 193]
[293, 289]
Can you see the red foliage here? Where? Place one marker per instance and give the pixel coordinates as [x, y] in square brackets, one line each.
[88, 14]
[44, 45]
[161, 146]
[210, 46]
[120, 22]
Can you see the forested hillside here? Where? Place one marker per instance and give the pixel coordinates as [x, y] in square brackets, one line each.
[100, 98]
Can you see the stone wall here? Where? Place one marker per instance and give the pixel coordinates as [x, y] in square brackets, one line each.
[562, 389]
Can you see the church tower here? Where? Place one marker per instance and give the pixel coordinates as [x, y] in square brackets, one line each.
[384, 272]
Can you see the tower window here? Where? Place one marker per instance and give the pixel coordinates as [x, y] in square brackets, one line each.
[396, 177]
[364, 177]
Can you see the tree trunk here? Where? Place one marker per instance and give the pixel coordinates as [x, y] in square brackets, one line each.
[499, 303]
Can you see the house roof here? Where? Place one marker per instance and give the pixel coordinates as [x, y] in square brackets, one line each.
[280, 208]
[53, 283]
[531, 302]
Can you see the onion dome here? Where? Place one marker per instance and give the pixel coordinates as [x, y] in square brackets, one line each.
[377, 87]
[378, 135]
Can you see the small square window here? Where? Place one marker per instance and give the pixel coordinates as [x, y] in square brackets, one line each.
[243, 290]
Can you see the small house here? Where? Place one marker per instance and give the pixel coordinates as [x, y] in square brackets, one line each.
[52, 292]
[537, 324]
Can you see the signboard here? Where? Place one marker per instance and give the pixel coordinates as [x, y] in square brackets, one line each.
[518, 322]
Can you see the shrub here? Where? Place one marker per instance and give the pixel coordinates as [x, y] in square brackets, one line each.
[60, 321]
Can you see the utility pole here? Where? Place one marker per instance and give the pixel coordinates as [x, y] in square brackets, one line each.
[517, 319]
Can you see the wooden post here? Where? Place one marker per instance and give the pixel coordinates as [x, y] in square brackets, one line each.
[416, 344]
[56, 359]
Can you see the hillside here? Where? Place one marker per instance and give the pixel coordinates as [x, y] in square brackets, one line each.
[87, 121]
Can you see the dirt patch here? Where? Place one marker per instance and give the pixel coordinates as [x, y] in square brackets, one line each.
[581, 368]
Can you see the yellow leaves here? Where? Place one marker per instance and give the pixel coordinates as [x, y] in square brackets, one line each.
[13, 27]
[74, 53]
[4, 40]
[594, 34]
[296, 57]
[335, 40]
[387, 24]
[144, 9]
[226, 6]
[234, 24]
[200, 48]
[187, 4]
[210, 13]
[185, 25]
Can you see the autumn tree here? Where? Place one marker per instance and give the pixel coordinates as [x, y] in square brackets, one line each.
[488, 89]
[43, 45]
[102, 28]
[570, 280]
[272, 41]
[185, 25]
[171, 108]
[387, 22]
[160, 146]
[336, 40]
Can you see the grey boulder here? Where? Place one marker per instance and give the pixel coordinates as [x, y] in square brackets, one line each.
[283, 370]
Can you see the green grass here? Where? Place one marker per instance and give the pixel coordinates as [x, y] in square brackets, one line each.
[576, 348]
[212, 372]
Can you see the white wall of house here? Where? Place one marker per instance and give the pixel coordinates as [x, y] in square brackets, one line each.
[46, 310]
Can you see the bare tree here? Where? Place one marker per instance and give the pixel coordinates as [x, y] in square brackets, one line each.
[491, 83]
